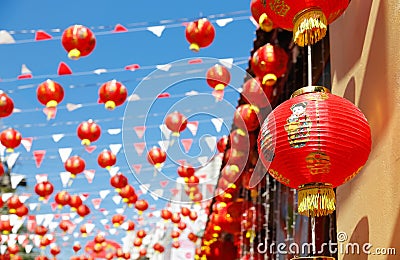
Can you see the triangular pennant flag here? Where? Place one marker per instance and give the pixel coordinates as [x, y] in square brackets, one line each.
[89, 174]
[104, 221]
[132, 67]
[227, 62]
[5, 37]
[24, 197]
[84, 196]
[41, 178]
[99, 71]
[114, 170]
[57, 137]
[164, 67]
[164, 144]
[165, 131]
[217, 122]
[156, 194]
[21, 238]
[50, 112]
[72, 107]
[53, 206]
[120, 211]
[144, 188]
[210, 188]
[63, 69]
[25, 70]
[157, 30]
[40, 219]
[116, 199]
[42, 35]
[223, 22]
[90, 148]
[192, 126]
[211, 141]
[32, 206]
[119, 28]
[89, 227]
[64, 153]
[103, 193]
[12, 158]
[112, 231]
[139, 147]
[164, 183]
[16, 179]
[6, 196]
[174, 191]
[139, 130]
[65, 176]
[133, 97]
[191, 93]
[187, 143]
[27, 143]
[115, 148]
[137, 168]
[96, 203]
[114, 131]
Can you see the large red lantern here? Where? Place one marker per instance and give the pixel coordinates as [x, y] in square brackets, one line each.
[106, 159]
[307, 18]
[78, 41]
[322, 141]
[6, 104]
[11, 139]
[44, 189]
[176, 122]
[199, 34]
[74, 165]
[257, 8]
[112, 93]
[257, 94]
[62, 198]
[269, 63]
[156, 156]
[50, 93]
[88, 132]
[246, 117]
[218, 77]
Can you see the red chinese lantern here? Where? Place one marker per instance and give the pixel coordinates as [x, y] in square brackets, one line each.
[11, 139]
[64, 225]
[40, 230]
[176, 244]
[44, 189]
[199, 34]
[137, 242]
[50, 93]
[182, 226]
[83, 210]
[141, 205]
[175, 235]
[218, 77]
[246, 117]
[165, 214]
[13, 203]
[6, 105]
[222, 143]
[192, 181]
[112, 93]
[156, 156]
[76, 247]
[2, 171]
[257, 8]
[158, 248]
[78, 41]
[185, 211]
[308, 19]
[62, 198]
[13, 249]
[106, 159]
[5, 226]
[22, 211]
[176, 122]
[257, 94]
[75, 202]
[117, 220]
[127, 192]
[192, 237]
[142, 252]
[130, 225]
[186, 171]
[88, 132]
[322, 141]
[83, 231]
[55, 250]
[269, 63]
[118, 181]
[141, 234]
[74, 165]
[193, 216]
[176, 218]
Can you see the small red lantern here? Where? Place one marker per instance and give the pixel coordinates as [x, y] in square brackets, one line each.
[112, 93]
[44, 189]
[76, 247]
[218, 77]
[6, 105]
[13, 249]
[142, 252]
[62, 198]
[83, 231]
[200, 34]
[88, 132]
[55, 250]
[117, 220]
[22, 211]
[192, 181]
[5, 226]
[182, 226]
[185, 211]
[137, 242]
[192, 237]
[118, 181]
[257, 94]
[13, 203]
[11, 139]
[231, 173]
[74, 165]
[307, 19]
[40, 230]
[176, 122]
[222, 143]
[269, 63]
[141, 234]
[186, 171]
[176, 244]
[75, 202]
[126, 192]
[175, 218]
[130, 226]
[83, 210]
[175, 235]
[78, 41]
[50, 93]
[257, 8]
[322, 141]
[156, 156]
[64, 225]
[246, 117]
[106, 159]
[141, 205]
[193, 216]
[165, 214]
[158, 248]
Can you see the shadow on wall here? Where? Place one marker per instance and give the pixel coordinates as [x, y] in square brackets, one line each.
[352, 249]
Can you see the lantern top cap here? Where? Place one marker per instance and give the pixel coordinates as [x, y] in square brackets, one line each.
[310, 89]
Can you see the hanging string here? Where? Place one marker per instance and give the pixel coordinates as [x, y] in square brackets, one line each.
[313, 240]
[309, 67]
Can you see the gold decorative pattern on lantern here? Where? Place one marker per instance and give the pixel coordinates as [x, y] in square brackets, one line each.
[353, 174]
[278, 176]
[279, 7]
[318, 163]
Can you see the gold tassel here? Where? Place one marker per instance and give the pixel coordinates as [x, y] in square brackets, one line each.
[316, 199]
[309, 26]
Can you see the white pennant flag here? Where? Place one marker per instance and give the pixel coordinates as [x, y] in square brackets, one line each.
[3, 248]
[112, 231]
[5, 37]
[103, 193]
[133, 97]
[39, 219]
[166, 132]
[156, 194]
[23, 198]
[114, 131]
[117, 199]
[203, 160]
[64, 153]
[6, 196]
[32, 206]
[99, 71]
[25, 70]
[28, 248]
[53, 226]
[105, 212]
[164, 67]
[65, 176]
[217, 122]
[223, 22]
[16, 179]
[27, 143]
[120, 210]
[227, 62]
[12, 158]
[104, 221]
[21, 238]
[12, 239]
[57, 137]
[157, 30]
[89, 227]
[164, 145]
[72, 107]
[115, 148]
[17, 225]
[211, 141]
[144, 188]
[114, 170]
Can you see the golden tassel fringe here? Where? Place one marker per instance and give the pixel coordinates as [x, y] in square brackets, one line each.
[315, 200]
[309, 27]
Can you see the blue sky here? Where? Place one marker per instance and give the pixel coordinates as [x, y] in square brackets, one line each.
[113, 52]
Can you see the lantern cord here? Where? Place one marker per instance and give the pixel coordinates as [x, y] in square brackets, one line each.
[312, 219]
[309, 65]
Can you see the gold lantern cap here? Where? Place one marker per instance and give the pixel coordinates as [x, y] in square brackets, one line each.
[310, 89]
